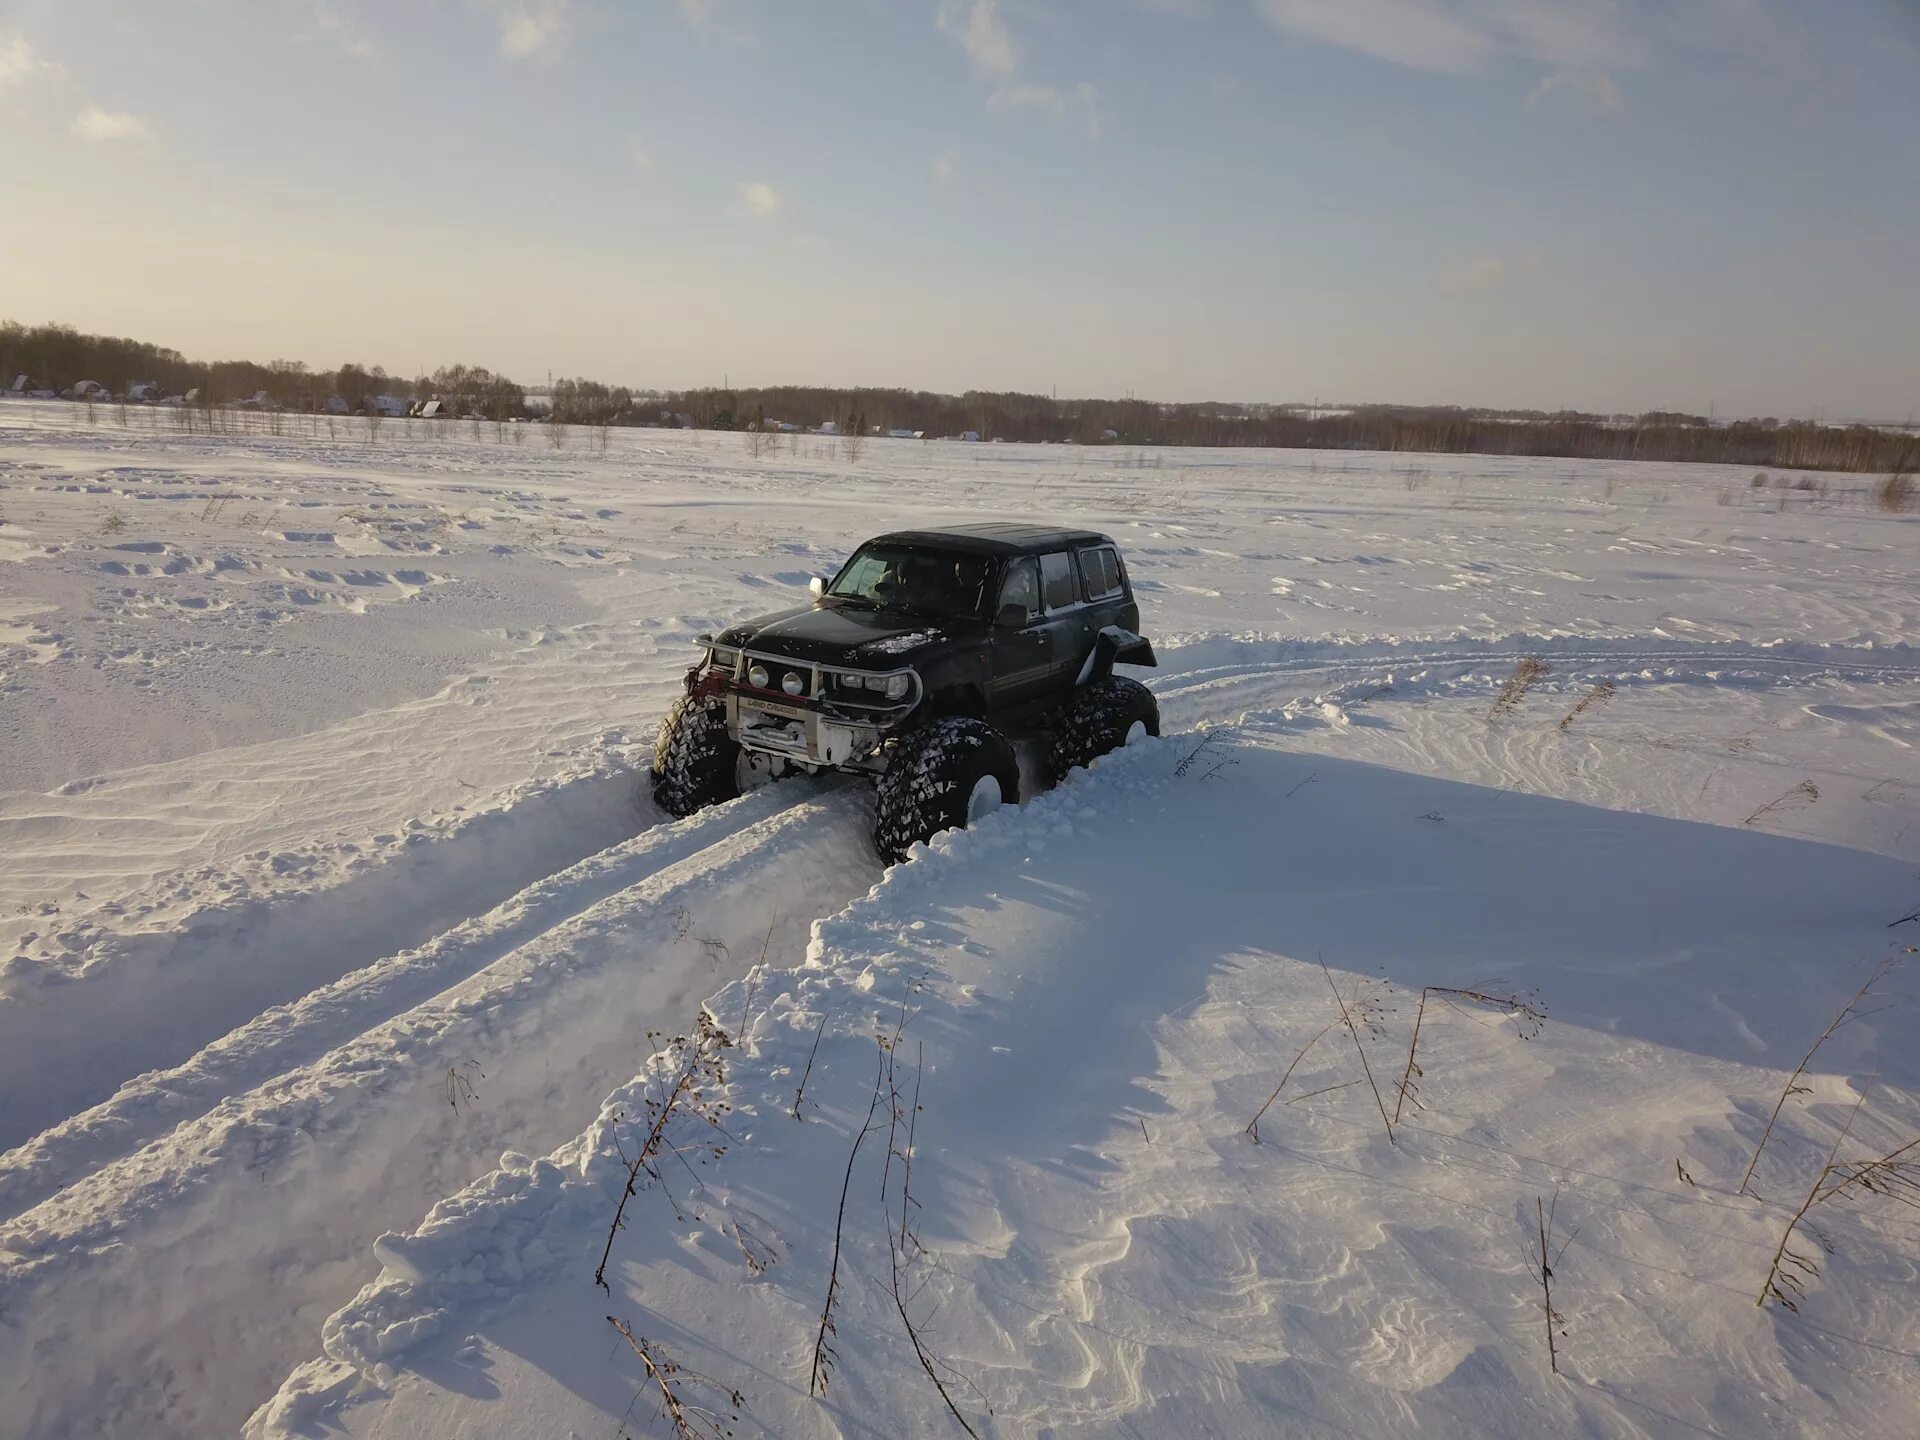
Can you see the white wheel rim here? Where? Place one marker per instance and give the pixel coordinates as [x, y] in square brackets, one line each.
[1135, 732]
[985, 799]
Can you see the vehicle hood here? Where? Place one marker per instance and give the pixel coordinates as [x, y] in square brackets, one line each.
[848, 635]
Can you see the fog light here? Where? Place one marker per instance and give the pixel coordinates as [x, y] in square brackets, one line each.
[792, 683]
[757, 677]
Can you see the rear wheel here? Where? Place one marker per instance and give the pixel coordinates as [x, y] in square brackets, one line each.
[1102, 717]
[950, 774]
[695, 761]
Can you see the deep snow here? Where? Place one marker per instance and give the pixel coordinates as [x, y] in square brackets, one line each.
[326, 883]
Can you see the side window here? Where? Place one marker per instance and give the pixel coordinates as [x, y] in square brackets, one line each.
[1021, 587]
[1100, 573]
[1056, 580]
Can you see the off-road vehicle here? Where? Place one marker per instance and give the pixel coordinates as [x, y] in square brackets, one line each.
[920, 664]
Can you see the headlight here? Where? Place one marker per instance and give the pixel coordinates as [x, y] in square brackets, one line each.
[757, 677]
[792, 683]
[896, 687]
[721, 659]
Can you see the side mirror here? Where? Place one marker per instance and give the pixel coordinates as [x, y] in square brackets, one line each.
[816, 587]
[1012, 616]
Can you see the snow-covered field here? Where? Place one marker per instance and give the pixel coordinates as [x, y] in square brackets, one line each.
[341, 954]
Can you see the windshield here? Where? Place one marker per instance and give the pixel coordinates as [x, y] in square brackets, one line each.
[929, 582]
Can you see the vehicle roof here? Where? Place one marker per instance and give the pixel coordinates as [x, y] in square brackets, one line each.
[995, 537]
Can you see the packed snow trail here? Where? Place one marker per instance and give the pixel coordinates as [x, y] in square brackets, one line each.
[291, 1035]
[150, 999]
[1093, 994]
[163, 1293]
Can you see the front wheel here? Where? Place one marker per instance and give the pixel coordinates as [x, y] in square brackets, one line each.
[1102, 717]
[695, 761]
[950, 774]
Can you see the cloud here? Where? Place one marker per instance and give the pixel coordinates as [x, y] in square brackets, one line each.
[329, 24]
[1591, 89]
[1086, 96]
[20, 63]
[761, 199]
[102, 127]
[943, 168]
[981, 33]
[539, 29]
[977, 25]
[1405, 32]
[1460, 37]
[639, 153]
[1081, 103]
[1019, 95]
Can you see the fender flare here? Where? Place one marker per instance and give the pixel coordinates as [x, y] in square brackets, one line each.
[1115, 646]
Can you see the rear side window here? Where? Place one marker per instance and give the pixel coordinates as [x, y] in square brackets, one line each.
[1100, 573]
[1021, 587]
[1056, 580]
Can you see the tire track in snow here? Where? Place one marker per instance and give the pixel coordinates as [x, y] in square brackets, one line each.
[235, 1235]
[145, 1000]
[1200, 689]
[1237, 657]
[291, 1035]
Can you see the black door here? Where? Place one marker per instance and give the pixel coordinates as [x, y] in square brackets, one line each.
[1068, 622]
[1106, 592]
[1023, 662]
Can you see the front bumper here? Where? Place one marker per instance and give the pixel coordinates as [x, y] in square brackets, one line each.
[803, 737]
[826, 726]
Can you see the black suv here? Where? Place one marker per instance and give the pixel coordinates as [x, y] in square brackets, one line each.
[915, 664]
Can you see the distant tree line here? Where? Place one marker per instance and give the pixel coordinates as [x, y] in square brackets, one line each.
[56, 356]
[1656, 435]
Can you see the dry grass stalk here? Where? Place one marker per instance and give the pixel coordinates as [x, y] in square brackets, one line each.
[823, 1351]
[1199, 752]
[1597, 696]
[1895, 493]
[460, 1083]
[903, 1243]
[1253, 1125]
[1528, 673]
[1353, 1028]
[671, 1381]
[1848, 1012]
[700, 1066]
[1893, 1176]
[1545, 1260]
[1805, 793]
[801, 1089]
[1526, 1009]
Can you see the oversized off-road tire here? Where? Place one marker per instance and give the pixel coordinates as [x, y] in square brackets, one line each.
[943, 776]
[1102, 717]
[695, 761]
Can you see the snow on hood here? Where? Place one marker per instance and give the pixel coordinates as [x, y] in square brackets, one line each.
[899, 644]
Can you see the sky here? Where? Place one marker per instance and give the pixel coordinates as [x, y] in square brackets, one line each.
[1602, 204]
